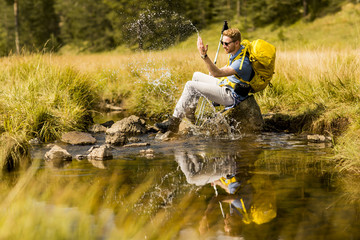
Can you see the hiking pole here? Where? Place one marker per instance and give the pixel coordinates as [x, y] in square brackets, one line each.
[216, 194]
[225, 27]
[202, 106]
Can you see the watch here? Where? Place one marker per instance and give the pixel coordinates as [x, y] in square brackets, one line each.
[204, 56]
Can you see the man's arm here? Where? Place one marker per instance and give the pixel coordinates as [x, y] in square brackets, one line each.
[213, 69]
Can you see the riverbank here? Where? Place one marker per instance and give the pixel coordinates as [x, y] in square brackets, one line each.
[315, 86]
[45, 95]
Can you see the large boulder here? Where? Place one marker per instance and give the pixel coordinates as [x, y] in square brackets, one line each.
[78, 138]
[246, 116]
[127, 127]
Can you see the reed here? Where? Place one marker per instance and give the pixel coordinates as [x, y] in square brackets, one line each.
[43, 205]
[41, 100]
[322, 84]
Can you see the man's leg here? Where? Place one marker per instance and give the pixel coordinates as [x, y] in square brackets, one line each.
[201, 85]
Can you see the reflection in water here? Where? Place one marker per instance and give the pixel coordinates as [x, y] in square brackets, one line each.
[200, 169]
[242, 198]
[102, 164]
[267, 187]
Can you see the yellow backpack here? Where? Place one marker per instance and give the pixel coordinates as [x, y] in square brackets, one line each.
[262, 57]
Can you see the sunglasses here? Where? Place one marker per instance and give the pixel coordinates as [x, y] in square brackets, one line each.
[226, 43]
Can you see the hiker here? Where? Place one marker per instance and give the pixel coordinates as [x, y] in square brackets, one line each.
[226, 86]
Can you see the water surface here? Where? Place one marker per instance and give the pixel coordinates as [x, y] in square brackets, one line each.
[281, 187]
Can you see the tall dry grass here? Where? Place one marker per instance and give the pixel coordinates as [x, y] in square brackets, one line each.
[40, 100]
[322, 86]
[46, 95]
[41, 204]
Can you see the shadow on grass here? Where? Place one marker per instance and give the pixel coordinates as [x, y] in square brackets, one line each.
[310, 121]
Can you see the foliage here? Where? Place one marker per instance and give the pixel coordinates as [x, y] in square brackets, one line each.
[84, 24]
[101, 25]
[40, 100]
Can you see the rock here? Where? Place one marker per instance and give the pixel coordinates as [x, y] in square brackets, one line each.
[186, 127]
[58, 154]
[164, 136]
[152, 129]
[108, 124]
[34, 141]
[117, 139]
[100, 153]
[137, 145]
[148, 153]
[80, 157]
[134, 140]
[110, 107]
[96, 128]
[130, 126]
[246, 116]
[318, 138]
[78, 138]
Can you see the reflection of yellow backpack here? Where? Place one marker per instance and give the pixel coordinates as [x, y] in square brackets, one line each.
[262, 57]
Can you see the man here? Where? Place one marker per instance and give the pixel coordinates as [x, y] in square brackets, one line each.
[232, 87]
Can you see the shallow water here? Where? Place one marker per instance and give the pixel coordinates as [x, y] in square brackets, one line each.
[283, 186]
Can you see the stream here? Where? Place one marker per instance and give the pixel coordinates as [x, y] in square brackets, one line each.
[265, 186]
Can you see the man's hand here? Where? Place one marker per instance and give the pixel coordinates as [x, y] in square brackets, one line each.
[200, 45]
[213, 69]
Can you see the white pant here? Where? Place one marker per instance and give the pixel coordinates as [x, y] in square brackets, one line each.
[202, 85]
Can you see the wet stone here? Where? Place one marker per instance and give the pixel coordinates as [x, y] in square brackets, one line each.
[102, 152]
[186, 127]
[137, 145]
[318, 138]
[130, 126]
[164, 136]
[78, 138]
[117, 139]
[80, 157]
[148, 153]
[134, 140]
[34, 141]
[108, 124]
[57, 154]
[96, 128]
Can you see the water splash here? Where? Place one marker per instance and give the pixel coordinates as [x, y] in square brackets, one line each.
[213, 123]
[156, 75]
[160, 29]
[193, 26]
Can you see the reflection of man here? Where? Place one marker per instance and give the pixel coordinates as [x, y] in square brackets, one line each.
[200, 169]
[244, 198]
[248, 201]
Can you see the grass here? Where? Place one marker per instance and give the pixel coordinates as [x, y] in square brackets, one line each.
[44, 205]
[316, 83]
[40, 100]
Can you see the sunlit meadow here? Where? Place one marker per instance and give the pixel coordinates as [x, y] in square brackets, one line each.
[42, 96]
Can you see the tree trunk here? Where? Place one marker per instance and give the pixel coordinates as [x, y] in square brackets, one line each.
[305, 8]
[238, 8]
[16, 16]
